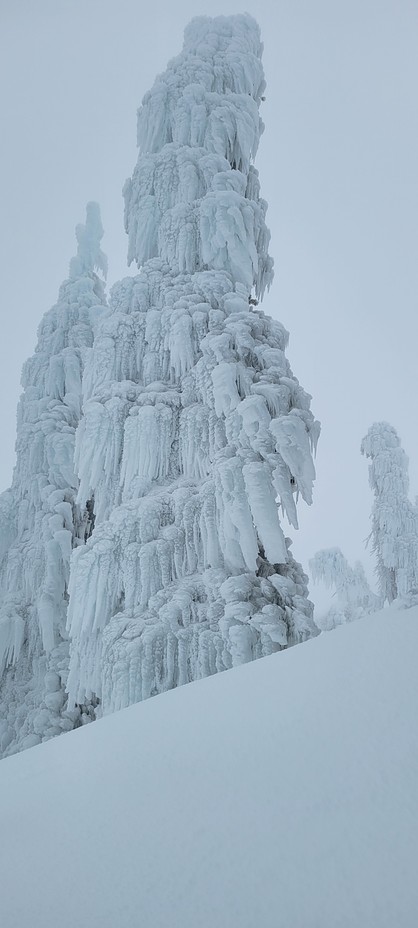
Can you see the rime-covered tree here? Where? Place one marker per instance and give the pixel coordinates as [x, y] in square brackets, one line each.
[194, 423]
[394, 519]
[354, 597]
[40, 522]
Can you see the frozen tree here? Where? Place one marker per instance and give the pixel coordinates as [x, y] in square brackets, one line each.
[194, 424]
[40, 521]
[394, 519]
[354, 598]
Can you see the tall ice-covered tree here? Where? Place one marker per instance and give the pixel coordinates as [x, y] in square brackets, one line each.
[194, 424]
[394, 519]
[40, 522]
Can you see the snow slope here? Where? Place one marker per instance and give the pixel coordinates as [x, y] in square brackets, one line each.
[281, 794]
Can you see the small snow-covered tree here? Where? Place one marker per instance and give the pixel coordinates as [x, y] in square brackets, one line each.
[194, 423]
[354, 597]
[40, 521]
[394, 518]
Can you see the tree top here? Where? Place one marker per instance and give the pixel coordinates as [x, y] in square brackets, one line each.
[89, 257]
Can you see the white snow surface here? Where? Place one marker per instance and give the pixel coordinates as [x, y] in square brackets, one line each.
[281, 794]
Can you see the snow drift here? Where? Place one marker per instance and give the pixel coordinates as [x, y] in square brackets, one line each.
[282, 793]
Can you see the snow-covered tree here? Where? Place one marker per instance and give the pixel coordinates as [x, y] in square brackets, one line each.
[354, 597]
[194, 423]
[40, 521]
[394, 519]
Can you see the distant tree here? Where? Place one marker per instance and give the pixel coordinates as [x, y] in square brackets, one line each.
[394, 518]
[354, 597]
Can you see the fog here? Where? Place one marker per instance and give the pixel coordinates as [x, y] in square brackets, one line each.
[338, 168]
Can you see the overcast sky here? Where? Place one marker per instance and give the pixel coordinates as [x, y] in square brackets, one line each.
[338, 168]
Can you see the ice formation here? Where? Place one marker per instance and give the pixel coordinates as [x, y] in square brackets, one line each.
[353, 596]
[394, 518]
[142, 544]
[194, 425]
[40, 521]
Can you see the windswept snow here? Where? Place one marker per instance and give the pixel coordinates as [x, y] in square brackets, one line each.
[282, 794]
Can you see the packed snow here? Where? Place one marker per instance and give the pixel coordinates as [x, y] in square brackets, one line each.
[282, 793]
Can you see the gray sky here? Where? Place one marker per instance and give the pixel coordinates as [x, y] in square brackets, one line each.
[338, 168]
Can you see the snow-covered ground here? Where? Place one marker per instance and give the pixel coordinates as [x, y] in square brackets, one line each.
[280, 794]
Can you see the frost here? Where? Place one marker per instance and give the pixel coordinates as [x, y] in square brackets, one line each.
[193, 199]
[191, 409]
[89, 257]
[40, 521]
[394, 518]
[12, 629]
[153, 457]
[354, 598]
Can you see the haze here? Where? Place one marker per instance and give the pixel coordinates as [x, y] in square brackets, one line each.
[337, 166]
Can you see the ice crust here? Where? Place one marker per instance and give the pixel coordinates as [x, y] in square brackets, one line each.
[145, 528]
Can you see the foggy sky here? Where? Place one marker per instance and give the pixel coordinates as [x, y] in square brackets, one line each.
[338, 168]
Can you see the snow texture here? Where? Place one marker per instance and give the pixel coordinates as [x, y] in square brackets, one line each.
[282, 794]
[193, 422]
[40, 521]
[394, 518]
[354, 598]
